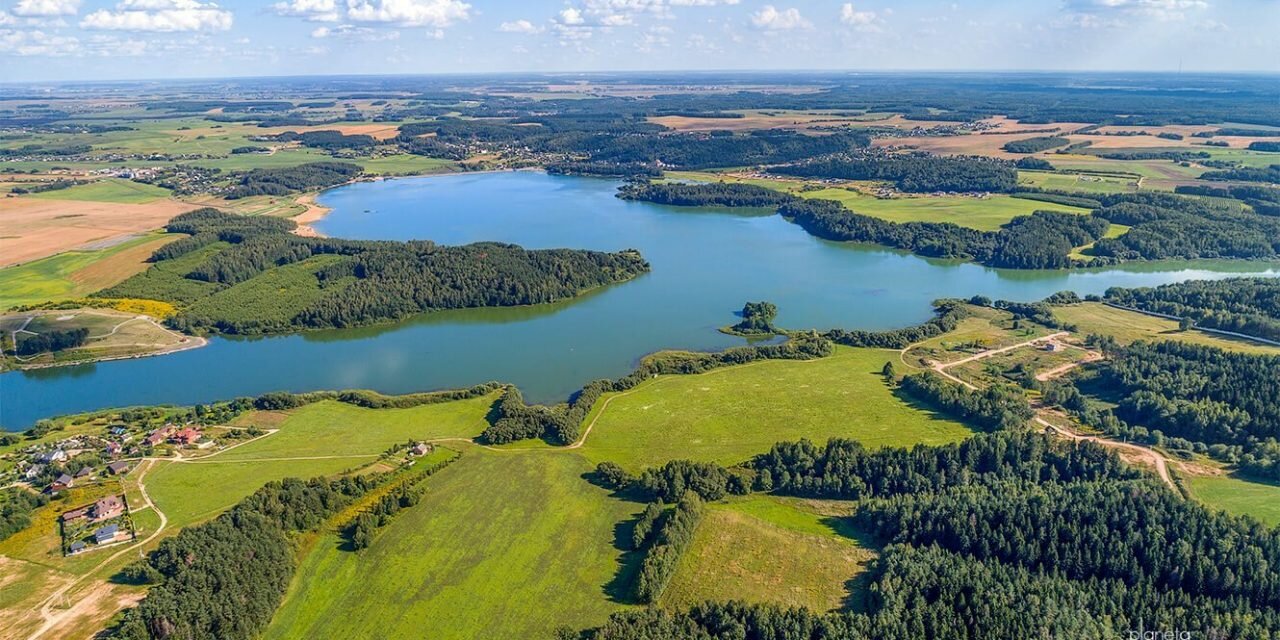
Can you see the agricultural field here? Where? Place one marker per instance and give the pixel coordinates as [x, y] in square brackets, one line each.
[1129, 326]
[109, 190]
[74, 274]
[1238, 496]
[34, 228]
[503, 545]
[405, 164]
[727, 415]
[775, 550]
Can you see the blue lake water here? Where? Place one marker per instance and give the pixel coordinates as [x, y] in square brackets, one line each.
[706, 263]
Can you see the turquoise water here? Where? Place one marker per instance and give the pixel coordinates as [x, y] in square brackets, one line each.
[706, 263]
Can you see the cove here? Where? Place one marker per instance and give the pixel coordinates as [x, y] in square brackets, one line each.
[706, 263]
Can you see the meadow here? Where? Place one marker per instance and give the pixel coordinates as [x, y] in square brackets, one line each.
[74, 274]
[112, 334]
[768, 549]
[502, 545]
[1130, 326]
[727, 415]
[1077, 182]
[273, 297]
[109, 190]
[984, 214]
[1239, 496]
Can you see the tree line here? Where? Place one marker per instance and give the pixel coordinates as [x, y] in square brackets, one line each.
[53, 340]
[285, 180]
[1244, 305]
[668, 537]
[914, 173]
[720, 194]
[1035, 145]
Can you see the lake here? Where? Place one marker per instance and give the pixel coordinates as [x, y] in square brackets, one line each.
[706, 264]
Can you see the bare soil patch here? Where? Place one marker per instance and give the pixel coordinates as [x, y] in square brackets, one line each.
[32, 228]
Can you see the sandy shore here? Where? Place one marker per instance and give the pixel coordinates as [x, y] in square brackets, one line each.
[314, 213]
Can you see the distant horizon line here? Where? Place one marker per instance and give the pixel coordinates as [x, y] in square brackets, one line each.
[664, 72]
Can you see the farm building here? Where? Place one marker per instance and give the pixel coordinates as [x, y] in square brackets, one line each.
[119, 467]
[64, 481]
[421, 449]
[84, 472]
[187, 435]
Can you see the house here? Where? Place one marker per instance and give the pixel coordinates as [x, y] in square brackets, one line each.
[112, 449]
[119, 467]
[187, 435]
[421, 449]
[57, 455]
[158, 436]
[84, 472]
[77, 547]
[108, 507]
[119, 431]
[64, 481]
[33, 471]
[1052, 347]
[106, 534]
[75, 514]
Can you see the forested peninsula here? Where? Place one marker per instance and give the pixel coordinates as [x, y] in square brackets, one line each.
[250, 275]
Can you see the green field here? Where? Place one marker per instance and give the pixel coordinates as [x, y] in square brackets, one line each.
[166, 280]
[274, 296]
[1239, 496]
[316, 440]
[109, 190]
[74, 274]
[767, 549]
[727, 415]
[503, 545]
[405, 164]
[1129, 326]
[1076, 182]
[986, 214]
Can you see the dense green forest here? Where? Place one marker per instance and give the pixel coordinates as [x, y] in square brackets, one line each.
[341, 283]
[286, 180]
[16, 506]
[1036, 145]
[224, 579]
[1042, 240]
[1269, 174]
[998, 407]
[1244, 305]
[663, 546]
[55, 340]
[916, 173]
[1005, 535]
[1172, 226]
[720, 194]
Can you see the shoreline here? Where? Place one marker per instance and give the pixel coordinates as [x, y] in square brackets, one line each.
[197, 342]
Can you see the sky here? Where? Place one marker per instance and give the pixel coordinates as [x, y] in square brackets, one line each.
[50, 40]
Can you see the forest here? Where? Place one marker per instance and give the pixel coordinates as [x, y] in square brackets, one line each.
[1035, 145]
[1015, 517]
[286, 180]
[55, 340]
[343, 283]
[721, 194]
[915, 173]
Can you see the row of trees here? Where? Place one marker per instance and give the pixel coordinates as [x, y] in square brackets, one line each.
[997, 407]
[667, 539]
[359, 531]
[1036, 145]
[52, 340]
[720, 194]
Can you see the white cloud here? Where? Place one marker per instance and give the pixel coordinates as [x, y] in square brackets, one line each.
[160, 15]
[701, 3]
[5, 18]
[352, 32]
[46, 8]
[571, 16]
[409, 13]
[1163, 10]
[772, 19]
[860, 20]
[313, 10]
[518, 26]
[37, 43]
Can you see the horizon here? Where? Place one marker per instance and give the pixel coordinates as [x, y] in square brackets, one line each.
[115, 40]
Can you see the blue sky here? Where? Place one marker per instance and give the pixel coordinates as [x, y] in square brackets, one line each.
[121, 39]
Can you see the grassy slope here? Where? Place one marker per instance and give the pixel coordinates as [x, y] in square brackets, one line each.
[76, 273]
[765, 549]
[275, 295]
[1128, 326]
[1238, 496]
[728, 415]
[109, 190]
[502, 546]
[322, 438]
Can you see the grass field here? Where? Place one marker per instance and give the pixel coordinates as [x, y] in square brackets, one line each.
[316, 440]
[111, 334]
[766, 549]
[1238, 496]
[273, 296]
[986, 214]
[109, 190]
[503, 545]
[1129, 326]
[1077, 182]
[406, 164]
[727, 415]
[75, 274]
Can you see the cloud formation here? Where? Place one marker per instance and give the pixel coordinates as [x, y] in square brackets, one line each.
[160, 16]
[46, 8]
[770, 18]
[313, 10]
[437, 14]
